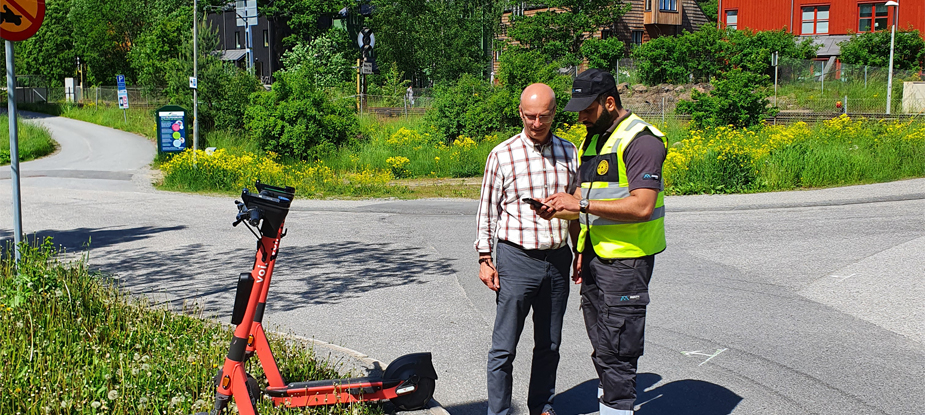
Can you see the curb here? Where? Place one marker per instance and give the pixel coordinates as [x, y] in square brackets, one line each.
[343, 358]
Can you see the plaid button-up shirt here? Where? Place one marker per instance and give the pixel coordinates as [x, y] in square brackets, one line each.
[519, 168]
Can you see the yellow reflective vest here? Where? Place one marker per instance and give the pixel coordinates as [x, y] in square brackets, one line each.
[605, 179]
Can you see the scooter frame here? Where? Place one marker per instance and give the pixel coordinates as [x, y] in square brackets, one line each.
[408, 381]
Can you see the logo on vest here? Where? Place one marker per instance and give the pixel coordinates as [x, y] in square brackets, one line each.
[603, 167]
[650, 176]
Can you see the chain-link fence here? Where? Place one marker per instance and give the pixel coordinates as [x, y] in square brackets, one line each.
[107, 95]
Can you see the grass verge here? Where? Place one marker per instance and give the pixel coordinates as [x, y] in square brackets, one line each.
[75, 344]
[34, 141]
[134, 120]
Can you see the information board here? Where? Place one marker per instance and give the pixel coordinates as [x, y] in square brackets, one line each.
[171, 129]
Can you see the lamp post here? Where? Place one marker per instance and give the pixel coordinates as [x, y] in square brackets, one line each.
[889, 81]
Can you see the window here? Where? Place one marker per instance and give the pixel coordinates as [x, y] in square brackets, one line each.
[266, 39]
[637, 37]
[237, 39]
[606, 34]
[732, 19]
[815, 20]
[648, 5]
[873, 17]
[668, 5]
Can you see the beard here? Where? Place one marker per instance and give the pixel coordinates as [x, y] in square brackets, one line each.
[602, 124]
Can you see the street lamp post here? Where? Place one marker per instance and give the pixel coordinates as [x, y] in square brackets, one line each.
[889, 82]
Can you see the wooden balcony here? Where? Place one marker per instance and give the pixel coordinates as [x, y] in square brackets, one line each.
[662, 17]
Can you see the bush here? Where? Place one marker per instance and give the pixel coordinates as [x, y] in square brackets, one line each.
[735, 101]
[710, 52]
[873, 49]
[603, 53]
[224, 91]
[297, 119]
[473, 107]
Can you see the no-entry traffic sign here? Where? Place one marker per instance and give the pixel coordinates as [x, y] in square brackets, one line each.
[20, 19]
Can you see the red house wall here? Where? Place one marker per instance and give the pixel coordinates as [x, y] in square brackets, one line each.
[843, 14]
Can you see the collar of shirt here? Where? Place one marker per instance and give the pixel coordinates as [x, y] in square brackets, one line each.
[533, 144]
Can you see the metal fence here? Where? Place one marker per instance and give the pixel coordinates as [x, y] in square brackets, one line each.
[106, 95]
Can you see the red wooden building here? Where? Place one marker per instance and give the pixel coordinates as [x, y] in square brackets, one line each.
[829, 21]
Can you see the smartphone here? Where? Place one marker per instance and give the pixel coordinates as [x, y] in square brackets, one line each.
[533, 202]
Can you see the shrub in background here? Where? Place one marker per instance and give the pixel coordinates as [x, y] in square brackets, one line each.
[298, 119]
[873, 49]
[734, 101]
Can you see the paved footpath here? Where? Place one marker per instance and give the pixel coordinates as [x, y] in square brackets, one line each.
[806, 302]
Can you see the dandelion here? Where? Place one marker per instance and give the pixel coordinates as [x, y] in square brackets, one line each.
[95, 404]
[113, 395]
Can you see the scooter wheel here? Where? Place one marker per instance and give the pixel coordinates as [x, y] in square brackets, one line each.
[417, 399]
[253, 391]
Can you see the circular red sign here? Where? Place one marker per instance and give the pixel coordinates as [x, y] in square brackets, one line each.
[20, 19]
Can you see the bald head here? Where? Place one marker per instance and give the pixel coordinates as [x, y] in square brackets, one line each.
[538, 95]
[537, 109]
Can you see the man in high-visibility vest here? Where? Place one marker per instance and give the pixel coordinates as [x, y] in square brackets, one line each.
[620, 209]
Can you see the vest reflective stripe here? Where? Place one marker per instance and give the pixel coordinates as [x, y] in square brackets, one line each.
[616, 239]
[594, 220]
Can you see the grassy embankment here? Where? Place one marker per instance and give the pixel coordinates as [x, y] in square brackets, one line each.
[397, 155]
[34, 141]
[75, 344]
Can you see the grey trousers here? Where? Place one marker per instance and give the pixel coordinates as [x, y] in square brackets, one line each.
[537, 279]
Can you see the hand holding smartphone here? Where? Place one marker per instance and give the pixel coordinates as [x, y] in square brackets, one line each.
[533, 202]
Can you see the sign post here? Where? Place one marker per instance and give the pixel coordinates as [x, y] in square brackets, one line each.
[123, 96]
[19, 20]
[171, 129]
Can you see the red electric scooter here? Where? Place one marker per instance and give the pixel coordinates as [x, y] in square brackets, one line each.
[408, 382]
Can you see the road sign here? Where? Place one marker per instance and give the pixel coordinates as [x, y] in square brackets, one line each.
[122, 92]
[247, 12]
[366, 37]
[20, 19]
[193, 83]
[366, 68]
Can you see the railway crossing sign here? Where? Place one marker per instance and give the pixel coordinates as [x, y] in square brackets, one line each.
[20, 19]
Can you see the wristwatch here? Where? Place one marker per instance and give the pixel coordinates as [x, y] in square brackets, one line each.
[583, 205]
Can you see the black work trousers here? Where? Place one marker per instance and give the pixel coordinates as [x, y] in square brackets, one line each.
[614, 295]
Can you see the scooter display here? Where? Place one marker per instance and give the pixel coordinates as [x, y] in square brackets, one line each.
[408, 382]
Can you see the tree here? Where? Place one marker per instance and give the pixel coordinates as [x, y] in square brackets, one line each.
[873, 49]
[435, 41]
[559, 32]
[603, 53]
[325, 57]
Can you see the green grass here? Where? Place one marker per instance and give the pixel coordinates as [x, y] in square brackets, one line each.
[73, 343]
[135, 120]
[34, 141]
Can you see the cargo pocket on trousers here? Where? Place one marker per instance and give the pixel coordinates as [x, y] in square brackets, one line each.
[611, 332]
[632, 337]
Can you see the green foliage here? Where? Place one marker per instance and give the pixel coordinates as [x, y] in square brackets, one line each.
[475, 108]
[34, 141]
[107, 352]
[873, 49]
[734, 101]
[471, 107]
[302, 16]
[435, 40]
[324, 58]
[710, 9]
[298, 119]
[392, 86]
[603, 54]
[558, 33]
[710, 52]
[50, 53]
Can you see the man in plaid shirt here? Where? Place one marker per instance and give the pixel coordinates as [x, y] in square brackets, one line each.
[532, 256]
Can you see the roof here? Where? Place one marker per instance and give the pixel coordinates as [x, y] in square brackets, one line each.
[233, 55]
[829, 44]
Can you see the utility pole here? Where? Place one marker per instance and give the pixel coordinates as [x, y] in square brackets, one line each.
[196, 77]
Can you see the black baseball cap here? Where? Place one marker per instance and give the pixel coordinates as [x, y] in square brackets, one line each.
[587, 86]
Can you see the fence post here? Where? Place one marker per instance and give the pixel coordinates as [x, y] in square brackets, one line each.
[865, 76]
[663, 111]
[846, 105]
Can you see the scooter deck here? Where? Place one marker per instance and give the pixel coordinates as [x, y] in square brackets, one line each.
[353, 385]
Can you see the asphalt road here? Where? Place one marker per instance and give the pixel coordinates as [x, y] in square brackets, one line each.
[805, 302]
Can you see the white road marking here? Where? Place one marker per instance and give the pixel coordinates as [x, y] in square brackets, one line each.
[699, 353]
[842, 278]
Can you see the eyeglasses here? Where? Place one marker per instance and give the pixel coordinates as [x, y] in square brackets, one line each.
[544, 118]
